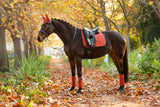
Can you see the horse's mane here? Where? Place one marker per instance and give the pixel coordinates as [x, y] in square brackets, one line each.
[64, 22]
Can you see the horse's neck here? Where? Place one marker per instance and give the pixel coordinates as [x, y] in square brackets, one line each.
[64, 33]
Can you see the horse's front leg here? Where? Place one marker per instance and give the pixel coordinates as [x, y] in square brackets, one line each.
[72, 65]
[79, 71]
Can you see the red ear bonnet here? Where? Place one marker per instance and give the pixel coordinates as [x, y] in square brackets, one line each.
[45, 19]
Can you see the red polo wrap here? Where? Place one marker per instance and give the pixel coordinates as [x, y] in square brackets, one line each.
[121, 77]
[73, 81]
[80, 82]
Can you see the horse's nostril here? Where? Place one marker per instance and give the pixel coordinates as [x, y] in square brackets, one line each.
[40, 39]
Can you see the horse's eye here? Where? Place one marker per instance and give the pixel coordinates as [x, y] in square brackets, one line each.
[46, 27]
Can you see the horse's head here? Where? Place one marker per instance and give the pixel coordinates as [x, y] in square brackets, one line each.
[46, 28]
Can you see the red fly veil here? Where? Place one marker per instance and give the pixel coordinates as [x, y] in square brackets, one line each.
[45, 19]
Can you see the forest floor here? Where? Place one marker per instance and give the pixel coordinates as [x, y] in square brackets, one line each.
[99, 89]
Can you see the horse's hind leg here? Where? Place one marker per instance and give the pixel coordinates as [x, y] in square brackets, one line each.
[121, 74]
[119, 64]
[112, 55]
[72, 65]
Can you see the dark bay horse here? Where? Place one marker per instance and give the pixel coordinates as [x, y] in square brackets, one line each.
[116, 47]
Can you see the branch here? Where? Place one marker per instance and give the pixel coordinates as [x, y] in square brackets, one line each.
[112, 9]
[153, 7]
[124, 11]
[158, 7]
[102, 14]
[137, 16]
[157, 4]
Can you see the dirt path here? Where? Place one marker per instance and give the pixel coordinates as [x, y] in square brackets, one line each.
[99, 90]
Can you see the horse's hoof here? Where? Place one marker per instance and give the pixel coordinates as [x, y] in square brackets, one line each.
[121, 88]
[72, 88]
[79, 91]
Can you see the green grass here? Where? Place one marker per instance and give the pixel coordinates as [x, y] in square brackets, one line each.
[144, 64]
[27, 79]
[33, 69]
[100, 64]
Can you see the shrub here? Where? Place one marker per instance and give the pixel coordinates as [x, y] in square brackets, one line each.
[34, 68]
[31, 69]
[150, 62]
[134, 58]
[101, 64]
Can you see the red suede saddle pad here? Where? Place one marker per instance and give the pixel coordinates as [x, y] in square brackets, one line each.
[101, 41]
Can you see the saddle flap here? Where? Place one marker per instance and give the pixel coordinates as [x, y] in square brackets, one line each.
[99, 39]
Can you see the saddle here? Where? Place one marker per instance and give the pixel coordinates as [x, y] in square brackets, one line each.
[91, 39]
[90, 36]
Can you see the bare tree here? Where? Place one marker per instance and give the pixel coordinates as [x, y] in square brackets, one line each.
[131, 14]
[102, 13]
[17, 46]
[4, 63]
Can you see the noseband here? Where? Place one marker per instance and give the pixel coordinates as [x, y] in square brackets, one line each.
[43, 32]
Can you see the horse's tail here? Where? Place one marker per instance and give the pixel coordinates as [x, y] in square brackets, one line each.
[125, 66]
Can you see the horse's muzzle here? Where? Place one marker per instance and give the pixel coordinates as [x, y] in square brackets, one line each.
[40, 38]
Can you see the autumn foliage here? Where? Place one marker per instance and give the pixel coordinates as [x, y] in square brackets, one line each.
[34, 81]
[100, 89]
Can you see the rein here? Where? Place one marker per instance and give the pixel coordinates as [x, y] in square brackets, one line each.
[72, 39]
[47, 40]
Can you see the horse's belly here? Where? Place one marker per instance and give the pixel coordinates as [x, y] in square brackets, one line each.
[97, 52]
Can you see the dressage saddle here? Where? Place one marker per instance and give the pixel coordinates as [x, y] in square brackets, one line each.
[90, 36]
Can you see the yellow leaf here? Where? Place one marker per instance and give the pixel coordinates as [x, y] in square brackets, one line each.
[65, 100]
[56, 87]
[12, 4]
[8, 25]
[151, 3]
[3, 20]
[18, 36]
[15, 1]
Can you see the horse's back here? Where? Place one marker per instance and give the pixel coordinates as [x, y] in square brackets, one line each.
[113, 35]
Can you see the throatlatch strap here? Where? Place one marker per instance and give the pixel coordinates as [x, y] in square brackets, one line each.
[80, 82]
[73, 81]
[121, 77]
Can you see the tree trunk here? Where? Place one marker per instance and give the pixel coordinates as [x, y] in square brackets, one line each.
[4, 63]
[40, 50]
[31, 50]
[102, 3]
[35, 50]
[127, 36]
[32, 46]
[25, 43]
[17, 51]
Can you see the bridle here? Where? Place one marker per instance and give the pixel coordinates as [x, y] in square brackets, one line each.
[75, 30]
[45, 32]
[46, 35]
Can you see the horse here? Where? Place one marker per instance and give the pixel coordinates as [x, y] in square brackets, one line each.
[71, 37]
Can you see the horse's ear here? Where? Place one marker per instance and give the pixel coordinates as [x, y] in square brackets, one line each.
[47, 18]
[43, 17]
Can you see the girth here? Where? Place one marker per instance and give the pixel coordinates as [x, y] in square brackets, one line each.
[90, 38]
